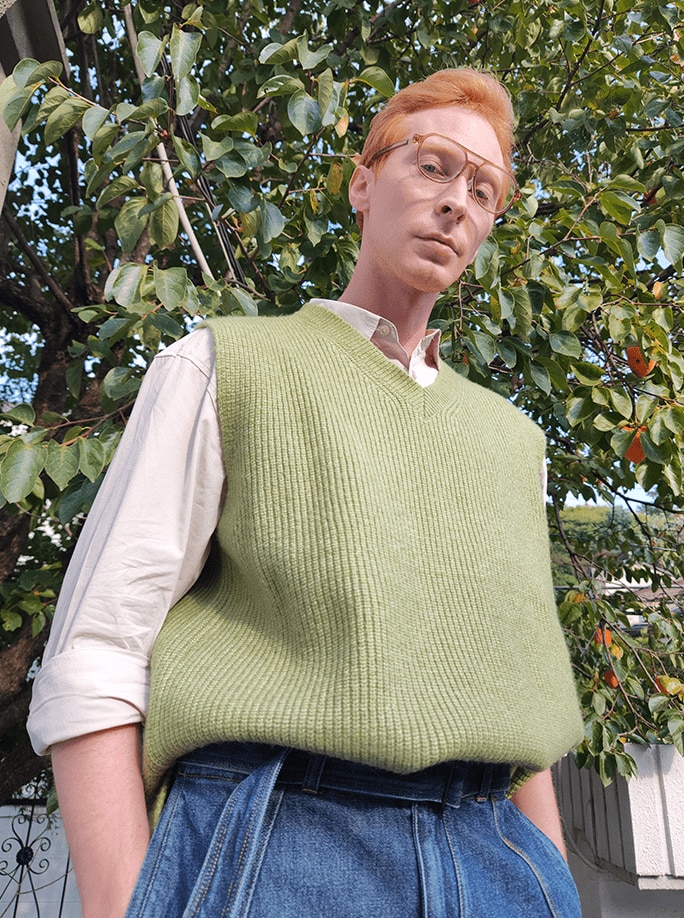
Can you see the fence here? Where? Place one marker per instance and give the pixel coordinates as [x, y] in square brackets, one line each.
[36, 880]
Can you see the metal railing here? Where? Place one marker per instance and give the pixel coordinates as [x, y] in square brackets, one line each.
[36, 880]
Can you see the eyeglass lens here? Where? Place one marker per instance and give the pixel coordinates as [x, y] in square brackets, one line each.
[441, 160]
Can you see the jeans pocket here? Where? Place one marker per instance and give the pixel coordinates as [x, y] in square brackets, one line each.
[179, 843]
[523, 838]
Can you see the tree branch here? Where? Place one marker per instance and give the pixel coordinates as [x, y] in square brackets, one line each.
[38, 265]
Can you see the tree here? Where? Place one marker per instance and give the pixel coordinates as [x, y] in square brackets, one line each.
[196, 162]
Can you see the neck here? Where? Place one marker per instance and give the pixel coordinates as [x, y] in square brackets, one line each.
[408, 309]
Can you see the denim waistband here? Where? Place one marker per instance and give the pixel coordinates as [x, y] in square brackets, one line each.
[447, 783]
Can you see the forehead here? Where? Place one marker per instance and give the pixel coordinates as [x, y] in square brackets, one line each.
[462, 124]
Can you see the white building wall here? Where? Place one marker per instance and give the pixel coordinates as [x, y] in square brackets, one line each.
[626, 841]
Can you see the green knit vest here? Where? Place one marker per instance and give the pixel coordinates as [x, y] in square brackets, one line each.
[379, 588]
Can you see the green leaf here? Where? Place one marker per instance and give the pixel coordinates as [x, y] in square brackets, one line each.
[276, 53]
[578, 409]
[21, 466]
[22, 73]
[311, 59]
[11, 620]
[30, 73]
[231, 165]
[113, 329]
[119, 383]
[129, 224]
[91, 453]
[153, 108]
[484, 344]
[243, 300]
[243, 122]
[304, 113]
[53, 99]
[486, 263]
[280, 85]
[242, 199]
[507, 351]
[541, 377]
[164, 225]
[150, 49]
[124, 283]
[91, 18]
[326, 90]
[589, 374]
[565, 343]
[621, 440]
[673, 242]
[120, 186]
[101, 141]
[618, 205]
[656, 452]
[64, 118]
[621, 401]
[673, 417]
[170, 286]
[272, 221]
[187, 156]
[93, 120]
[9, 96]
[254, 156]
[648, 244]
[625, 182]
[61, 463]
[123, 110]
[23, 414]
[378, 79]
[183, 48]
[215, 149]
[187, 95]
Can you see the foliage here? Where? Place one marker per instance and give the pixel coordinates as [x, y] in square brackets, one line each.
[622, 608]
[257, 109]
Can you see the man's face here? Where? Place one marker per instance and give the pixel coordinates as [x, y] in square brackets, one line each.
[419, 233]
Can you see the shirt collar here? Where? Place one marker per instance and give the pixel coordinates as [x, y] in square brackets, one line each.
[384, 335]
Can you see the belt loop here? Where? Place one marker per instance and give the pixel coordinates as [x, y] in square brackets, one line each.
[447, 786]
[486, 784]
[314, 771]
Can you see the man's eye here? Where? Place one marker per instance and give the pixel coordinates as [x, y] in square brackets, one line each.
[485, 193]
[432, 167]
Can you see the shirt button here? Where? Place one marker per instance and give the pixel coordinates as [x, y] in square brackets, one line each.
[384, 330]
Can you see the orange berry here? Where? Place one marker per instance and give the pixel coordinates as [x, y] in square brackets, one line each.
[635, 451]
[610, 679]
[603, 636]
[637, 361]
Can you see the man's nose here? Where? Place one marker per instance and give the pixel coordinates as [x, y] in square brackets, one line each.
[454, 197]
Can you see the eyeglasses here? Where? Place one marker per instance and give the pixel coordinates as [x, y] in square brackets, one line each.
[442, 160]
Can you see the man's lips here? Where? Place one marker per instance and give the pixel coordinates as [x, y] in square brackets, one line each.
[442, 240]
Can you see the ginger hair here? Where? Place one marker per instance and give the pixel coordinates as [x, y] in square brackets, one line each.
[472, 89]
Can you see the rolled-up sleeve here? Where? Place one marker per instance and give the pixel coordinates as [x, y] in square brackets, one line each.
[142, 547]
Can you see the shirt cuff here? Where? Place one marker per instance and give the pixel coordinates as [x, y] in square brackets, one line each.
[86, 689]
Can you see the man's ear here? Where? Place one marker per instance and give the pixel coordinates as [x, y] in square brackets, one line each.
[361, 189]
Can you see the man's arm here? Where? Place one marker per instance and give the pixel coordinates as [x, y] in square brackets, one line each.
[102, 803]
[537, 800]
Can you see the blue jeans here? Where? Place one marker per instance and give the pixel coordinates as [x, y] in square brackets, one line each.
[252, 830]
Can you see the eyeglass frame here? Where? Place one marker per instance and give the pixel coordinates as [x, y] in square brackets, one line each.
[420, 138]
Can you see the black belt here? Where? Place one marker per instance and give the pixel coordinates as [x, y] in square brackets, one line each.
[446, 784]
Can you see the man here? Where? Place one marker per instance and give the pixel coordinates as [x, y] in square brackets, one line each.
[335, 555]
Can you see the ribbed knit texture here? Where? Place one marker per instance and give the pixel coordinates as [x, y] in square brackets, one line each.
[380, 589]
